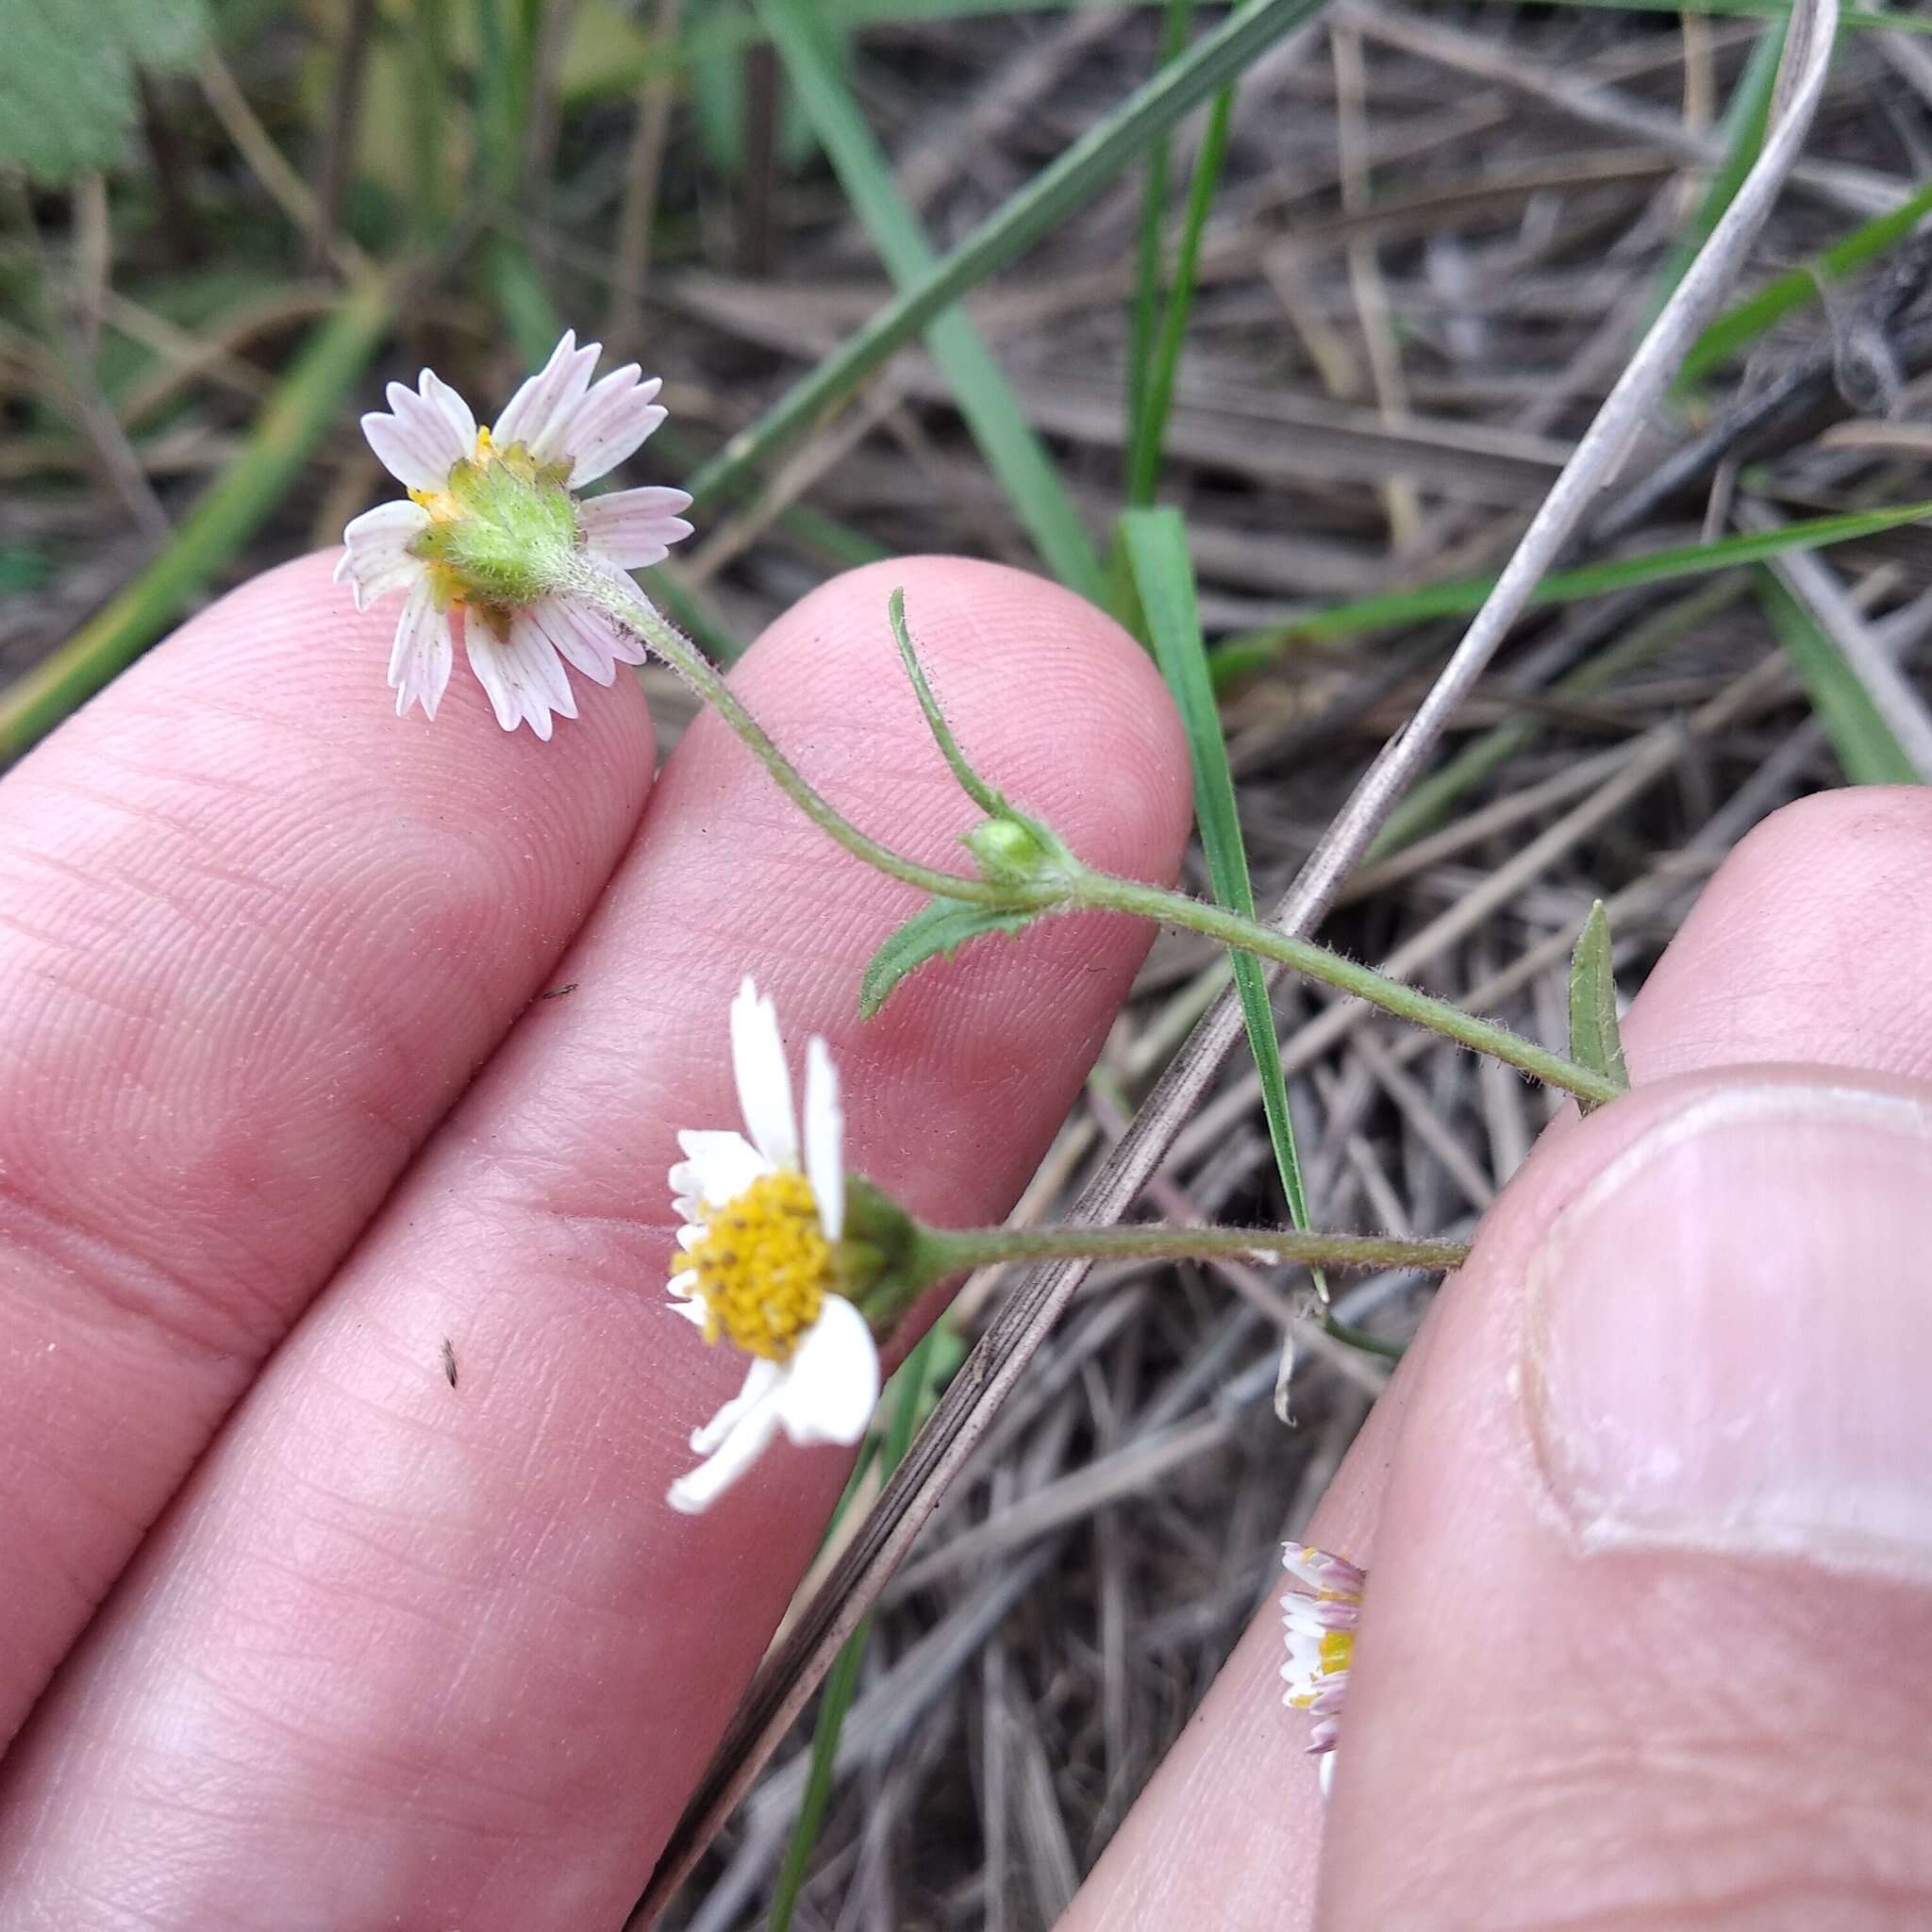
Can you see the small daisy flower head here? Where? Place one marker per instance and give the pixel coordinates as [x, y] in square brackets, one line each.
[1320, 1620]
[492, 534]
[761, 1262]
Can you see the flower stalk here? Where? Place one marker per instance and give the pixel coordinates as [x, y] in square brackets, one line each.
[950, 1251]
[1065, 885]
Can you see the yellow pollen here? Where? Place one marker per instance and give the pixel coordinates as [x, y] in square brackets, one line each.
[764, 1266]
[1337, 1650]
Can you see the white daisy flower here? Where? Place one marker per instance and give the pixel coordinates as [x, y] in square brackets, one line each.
[492, 523]
[758, 1261]
[1320, 1627]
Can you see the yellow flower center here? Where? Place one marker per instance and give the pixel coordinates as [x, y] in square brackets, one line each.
[1336, 1651]
[764, 1266]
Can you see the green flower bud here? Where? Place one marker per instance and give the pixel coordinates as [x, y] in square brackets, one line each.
[1015, 850]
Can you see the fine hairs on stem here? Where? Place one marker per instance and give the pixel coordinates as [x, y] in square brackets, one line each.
[1063, 883]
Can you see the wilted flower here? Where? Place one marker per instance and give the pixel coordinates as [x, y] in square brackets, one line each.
[1321, 1627]
[486, 546]
[759, 1261]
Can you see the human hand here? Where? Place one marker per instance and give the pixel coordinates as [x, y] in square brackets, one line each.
[1647, 1639]
[287, 1110]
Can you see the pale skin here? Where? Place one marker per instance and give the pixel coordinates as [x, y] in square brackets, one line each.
[299, 1635]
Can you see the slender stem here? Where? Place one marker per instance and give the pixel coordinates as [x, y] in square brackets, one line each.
[631, 607]
[1103, 890]
[1082, 887]
[947, 1251]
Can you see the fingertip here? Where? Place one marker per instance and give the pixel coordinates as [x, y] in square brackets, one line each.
[1807, 944]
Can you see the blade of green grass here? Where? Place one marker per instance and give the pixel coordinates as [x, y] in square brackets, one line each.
[1063, 185]
[1741, 325]
[1144, 460]
[909, 1392]
[1746, 116]
[1155, 542]
[992, 412]
[1425, 804]
[1240, 656]
[294, 418]
[1143, 310]
[729, 29]
[1862, 741]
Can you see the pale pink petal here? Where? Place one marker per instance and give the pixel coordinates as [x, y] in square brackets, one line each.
[586, 638]
[454, 409]
[419, 664]
[608, 425]
[631, 528]
[376, 558]
[419, 442]
[522, 676]
[549, 395]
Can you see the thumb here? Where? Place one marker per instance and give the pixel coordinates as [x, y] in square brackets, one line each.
[1648, 1635]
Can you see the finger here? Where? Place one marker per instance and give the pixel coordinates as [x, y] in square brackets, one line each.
[255, 935]
[1802, 947]
[1669, 1610]
[458, 1658]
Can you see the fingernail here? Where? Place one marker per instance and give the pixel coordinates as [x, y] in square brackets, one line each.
[1729, 1333]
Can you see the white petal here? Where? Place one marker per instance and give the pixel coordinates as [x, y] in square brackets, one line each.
[454, 411]
[721, 1164]
[760, 1379]
[417, 441]
[831, 1383]
[825, 1137]
[684, 1284]
[1327, 1773]
[692, 1309]
[553, 390]
[375, 555]
[522, 674]
[420, 660]
[764, 1086]
[632, 529]
[709, 1480]
[585, 637]
[609, 421]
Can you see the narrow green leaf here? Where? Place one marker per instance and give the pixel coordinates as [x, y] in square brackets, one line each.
[224, 517]
[1425, 804]
[1739, 327]
[971, 783]
[937, 931]
[1143, 310]
[731, 28]
[1155, 544]
[1013, 452]
[1240, 656]
[1144, 460]
[1746, 116]
[1860, 738]
[1594, 1039]
[1062, 186]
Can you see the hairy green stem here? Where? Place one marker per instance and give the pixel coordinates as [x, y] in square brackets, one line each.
[950, 1251]
[1082, 887]
[1103, 891]
[635, 612]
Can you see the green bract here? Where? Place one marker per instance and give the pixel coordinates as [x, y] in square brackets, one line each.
[503, 534]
